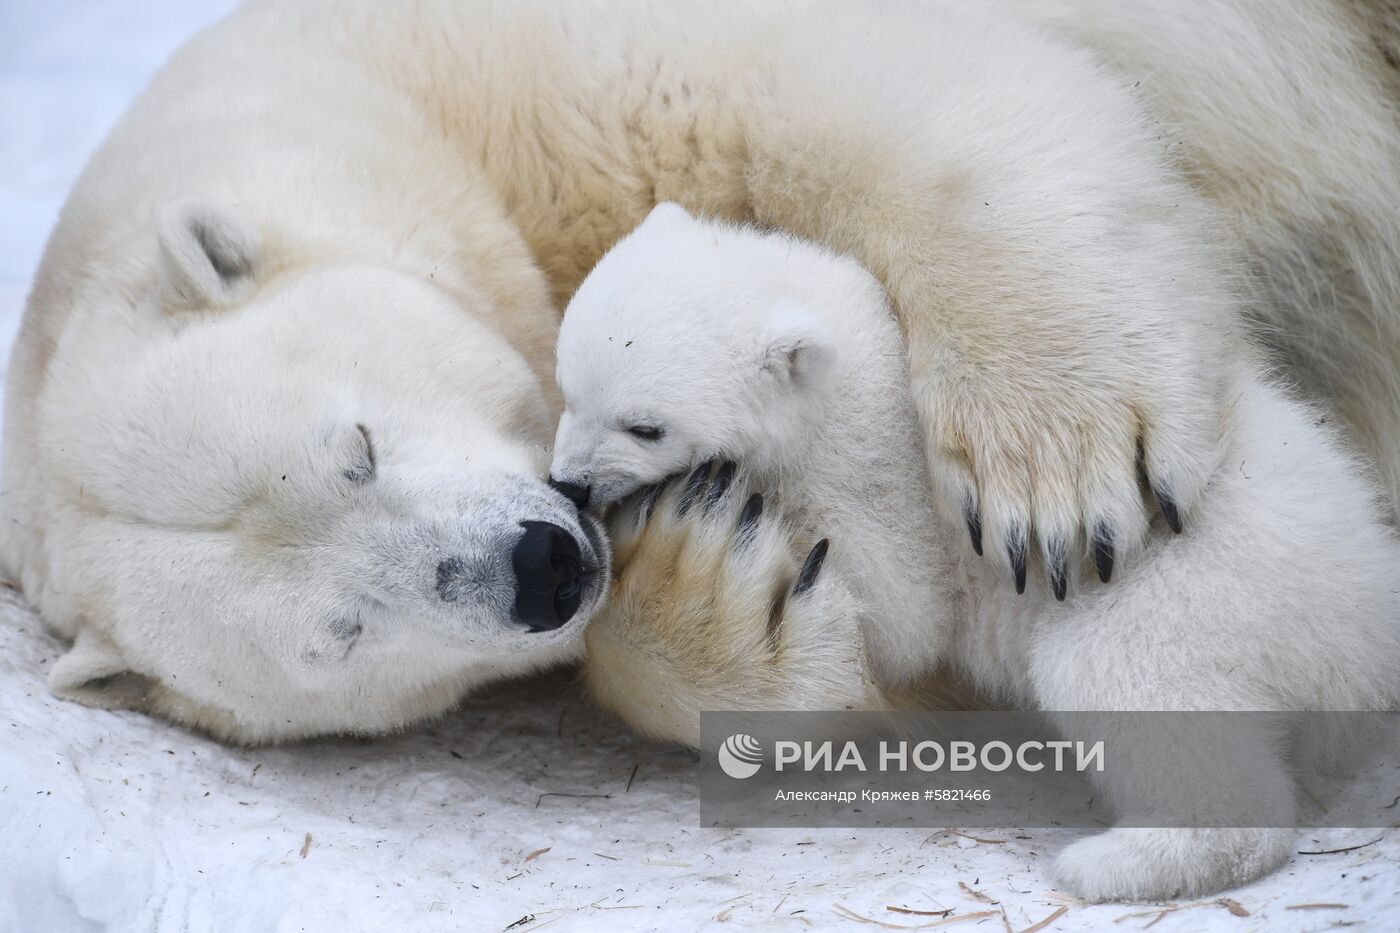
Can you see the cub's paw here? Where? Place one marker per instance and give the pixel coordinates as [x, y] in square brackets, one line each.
[1125, 864]
[717, 604]
[1070, 474]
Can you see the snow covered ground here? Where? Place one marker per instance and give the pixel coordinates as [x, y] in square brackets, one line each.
[524, 810]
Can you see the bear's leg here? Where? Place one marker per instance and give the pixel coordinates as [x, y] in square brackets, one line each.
[1066, 295]
[717, 603]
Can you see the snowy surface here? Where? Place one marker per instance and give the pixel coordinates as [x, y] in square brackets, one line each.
[524, 808]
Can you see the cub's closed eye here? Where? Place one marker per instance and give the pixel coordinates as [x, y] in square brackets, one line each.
[646, 432]
[363, 471]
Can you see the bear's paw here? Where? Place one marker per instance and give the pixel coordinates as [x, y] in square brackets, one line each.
[719, 603]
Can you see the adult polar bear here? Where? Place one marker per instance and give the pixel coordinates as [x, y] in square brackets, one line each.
[281, 400]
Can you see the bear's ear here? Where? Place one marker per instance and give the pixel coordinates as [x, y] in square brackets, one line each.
[798, 348]
[94, 673]
[207, 254]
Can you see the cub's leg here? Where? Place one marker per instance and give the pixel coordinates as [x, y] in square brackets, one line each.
[1125, 864]
[1281, 598]
[1204, 771]
[1209, 772]
[1172, 634]
[717, 604]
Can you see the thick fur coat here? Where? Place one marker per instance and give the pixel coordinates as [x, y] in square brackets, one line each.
[1068, 206]
[1264, 606]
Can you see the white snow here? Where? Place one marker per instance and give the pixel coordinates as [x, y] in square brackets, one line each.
[119, 822]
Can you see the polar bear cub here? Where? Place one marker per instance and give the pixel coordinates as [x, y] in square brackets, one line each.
[693, 340]
[736, 345]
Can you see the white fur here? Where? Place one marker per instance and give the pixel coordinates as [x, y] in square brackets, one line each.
[743, 345]
[301, 506]
[1284, 115]
[1278, 598]
[1066, 280]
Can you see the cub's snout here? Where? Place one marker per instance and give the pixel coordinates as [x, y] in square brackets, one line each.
[578, 493]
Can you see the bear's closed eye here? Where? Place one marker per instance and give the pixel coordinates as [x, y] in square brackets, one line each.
[646, 432]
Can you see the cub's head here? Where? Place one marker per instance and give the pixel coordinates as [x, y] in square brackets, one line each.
[275, 502]
[688, 340]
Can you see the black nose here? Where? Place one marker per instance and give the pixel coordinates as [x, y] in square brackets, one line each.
[578, 495]
[548, 576]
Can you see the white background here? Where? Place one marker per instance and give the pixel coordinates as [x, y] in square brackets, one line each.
[114, 821]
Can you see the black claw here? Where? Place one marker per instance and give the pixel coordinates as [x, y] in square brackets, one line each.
[1016, 548]
[974, 529]
[720, 484]
[1103, 552]
[749, 516]
[694, 483]
[1169, 511]
[807, 576]
[1057, 566]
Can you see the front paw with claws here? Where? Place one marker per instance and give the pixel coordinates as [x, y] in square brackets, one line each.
[720, 603]
[1068, 487]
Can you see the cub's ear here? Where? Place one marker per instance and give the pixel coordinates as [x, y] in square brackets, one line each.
[94, 673]
[207, 254]
[666, 214]
[798, 347]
